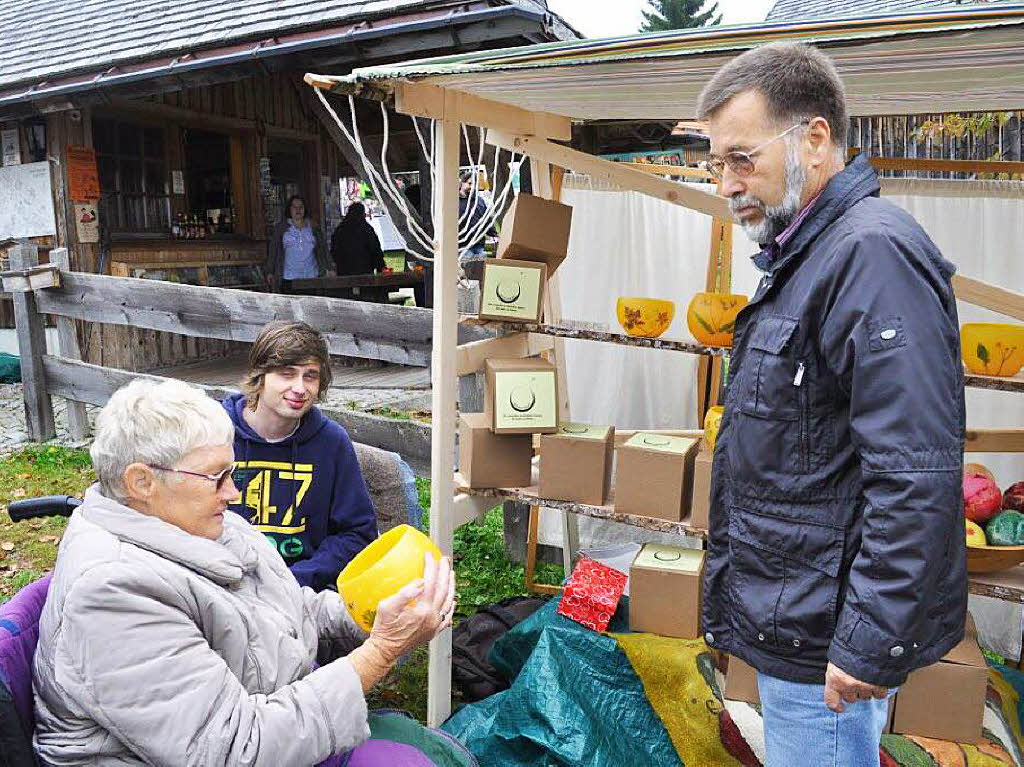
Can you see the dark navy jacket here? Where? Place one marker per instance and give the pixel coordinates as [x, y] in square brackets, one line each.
[305, 493]
[837, 523]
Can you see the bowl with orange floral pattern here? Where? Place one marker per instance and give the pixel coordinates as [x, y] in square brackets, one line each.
[644, 317]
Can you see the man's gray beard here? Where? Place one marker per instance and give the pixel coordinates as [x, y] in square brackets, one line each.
[775, 218]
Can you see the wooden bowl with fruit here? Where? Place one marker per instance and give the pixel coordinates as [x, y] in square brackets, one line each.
[995, 522]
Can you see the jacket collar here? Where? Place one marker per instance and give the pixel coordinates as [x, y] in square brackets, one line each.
[225, 561]
[844, 190]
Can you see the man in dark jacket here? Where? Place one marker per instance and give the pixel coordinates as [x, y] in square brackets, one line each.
[296, 470]
[836, 555]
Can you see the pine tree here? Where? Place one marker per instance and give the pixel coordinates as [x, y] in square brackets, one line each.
[678, 14]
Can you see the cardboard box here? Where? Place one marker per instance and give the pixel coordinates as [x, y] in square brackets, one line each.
[535, 229]
[664, 590]
[740, 682]
[521, 396]
[947, 699]
[492, 460]
[700, 504]
[576, 463]
[654, 477]
[512, 290]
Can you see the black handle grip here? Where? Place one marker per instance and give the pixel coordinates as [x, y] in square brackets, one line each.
[49, 506]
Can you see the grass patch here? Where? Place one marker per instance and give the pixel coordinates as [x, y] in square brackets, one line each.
[402, 415]
[485, 575]
[29, 549]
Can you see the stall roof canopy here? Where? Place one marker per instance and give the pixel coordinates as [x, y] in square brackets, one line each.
[44, 40]
[939, 60]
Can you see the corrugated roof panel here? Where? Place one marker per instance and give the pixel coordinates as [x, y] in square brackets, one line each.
[790, 10]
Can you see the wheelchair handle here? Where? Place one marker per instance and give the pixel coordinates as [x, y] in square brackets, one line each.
[48, 506]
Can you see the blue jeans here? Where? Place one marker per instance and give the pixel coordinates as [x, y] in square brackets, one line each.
[799, 729]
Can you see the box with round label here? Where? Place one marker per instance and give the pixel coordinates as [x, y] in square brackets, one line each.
[512, 290]
[576, 463]
[521, 396]
[654, 476]
[665, 590]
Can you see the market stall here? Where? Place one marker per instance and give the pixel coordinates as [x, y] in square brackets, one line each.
[527, 98]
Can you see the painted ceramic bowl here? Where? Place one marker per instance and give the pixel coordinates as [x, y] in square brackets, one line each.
[381, 569]
[645, 317]
[712, 420]
[989, 559]
[990, 349]
[711, 317]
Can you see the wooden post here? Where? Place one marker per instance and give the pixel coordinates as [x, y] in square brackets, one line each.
[443, 381]
[31, 348]
[67, 336]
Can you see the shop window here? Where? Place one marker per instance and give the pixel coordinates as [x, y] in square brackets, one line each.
[132, 164]
[209, 181]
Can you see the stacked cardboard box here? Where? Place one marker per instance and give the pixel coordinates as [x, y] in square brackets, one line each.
[665, 590]
[654, 477]
[521, 396]
[512, 290]
[535, 229]
[492, 460]
[576, 463]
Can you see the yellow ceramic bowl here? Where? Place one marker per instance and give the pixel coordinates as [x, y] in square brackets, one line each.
[645, 317]
[381, 569]
[992, 349]
[711, 317]
[712, 420]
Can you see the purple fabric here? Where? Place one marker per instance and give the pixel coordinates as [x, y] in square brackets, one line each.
[380, 753]
[19, 633]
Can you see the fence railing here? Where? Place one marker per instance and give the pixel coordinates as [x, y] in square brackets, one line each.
[397, 334]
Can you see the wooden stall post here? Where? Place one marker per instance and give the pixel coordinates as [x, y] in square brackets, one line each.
[67, 337]
[443, 383]
[31, 348]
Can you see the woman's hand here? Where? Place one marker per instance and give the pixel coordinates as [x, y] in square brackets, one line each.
[406, 620]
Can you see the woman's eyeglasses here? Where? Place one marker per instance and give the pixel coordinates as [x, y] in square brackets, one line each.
[218, 478]
[742, 163]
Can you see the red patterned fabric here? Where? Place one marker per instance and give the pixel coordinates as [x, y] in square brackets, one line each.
[592, 594]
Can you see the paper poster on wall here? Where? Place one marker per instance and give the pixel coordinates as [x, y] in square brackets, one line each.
[83, 178]
[87, 222]
[26, 201]
[178, 181]
[11, 146]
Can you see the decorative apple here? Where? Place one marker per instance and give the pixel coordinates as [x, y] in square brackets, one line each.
[1013, 498]
[982, 499]
[977, 468]
[975, 534]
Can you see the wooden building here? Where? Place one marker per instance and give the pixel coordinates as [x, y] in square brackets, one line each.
[187, 126]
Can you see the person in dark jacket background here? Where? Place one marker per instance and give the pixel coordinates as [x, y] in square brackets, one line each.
[355, 246]
[836, 553]
[296, 469]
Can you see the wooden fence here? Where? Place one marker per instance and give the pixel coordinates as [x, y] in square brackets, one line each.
[397, 334]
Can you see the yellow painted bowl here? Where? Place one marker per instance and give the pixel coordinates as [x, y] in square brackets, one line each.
[712, 420]
[381, 569]
[989, 559]
[645, 317]
[711, 317]
[991, 349]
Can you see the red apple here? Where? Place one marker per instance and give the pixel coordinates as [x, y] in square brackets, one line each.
[1013, 498]
[982, 499]
[977, 468]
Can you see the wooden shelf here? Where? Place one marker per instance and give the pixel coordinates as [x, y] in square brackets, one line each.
[996, 383]
[1007, 585]
[562, 331]
[607, 512]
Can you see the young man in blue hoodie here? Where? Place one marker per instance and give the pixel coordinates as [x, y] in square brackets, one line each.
[297, 472]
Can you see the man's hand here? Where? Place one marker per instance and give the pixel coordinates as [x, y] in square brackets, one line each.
[840, 686]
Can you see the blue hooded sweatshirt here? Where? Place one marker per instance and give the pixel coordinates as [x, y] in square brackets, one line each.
[305, 493]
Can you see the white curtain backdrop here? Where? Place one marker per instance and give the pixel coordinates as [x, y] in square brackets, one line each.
[628, 244]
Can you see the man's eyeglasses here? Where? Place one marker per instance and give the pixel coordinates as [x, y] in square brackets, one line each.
[742, 163]
[218, 479]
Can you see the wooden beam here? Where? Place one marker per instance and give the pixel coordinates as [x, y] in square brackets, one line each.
[618, 173]
[354, 328]
[470, 508]
[164, 113]
[955, 166]
[31, 348]
[423, 100]
[673, 170]
[444, 387]
[994, 441]
[470, 357]
[28, 280]
[67, 340]
[989, 296]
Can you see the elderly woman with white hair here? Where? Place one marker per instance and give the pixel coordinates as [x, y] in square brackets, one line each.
[173, 633]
